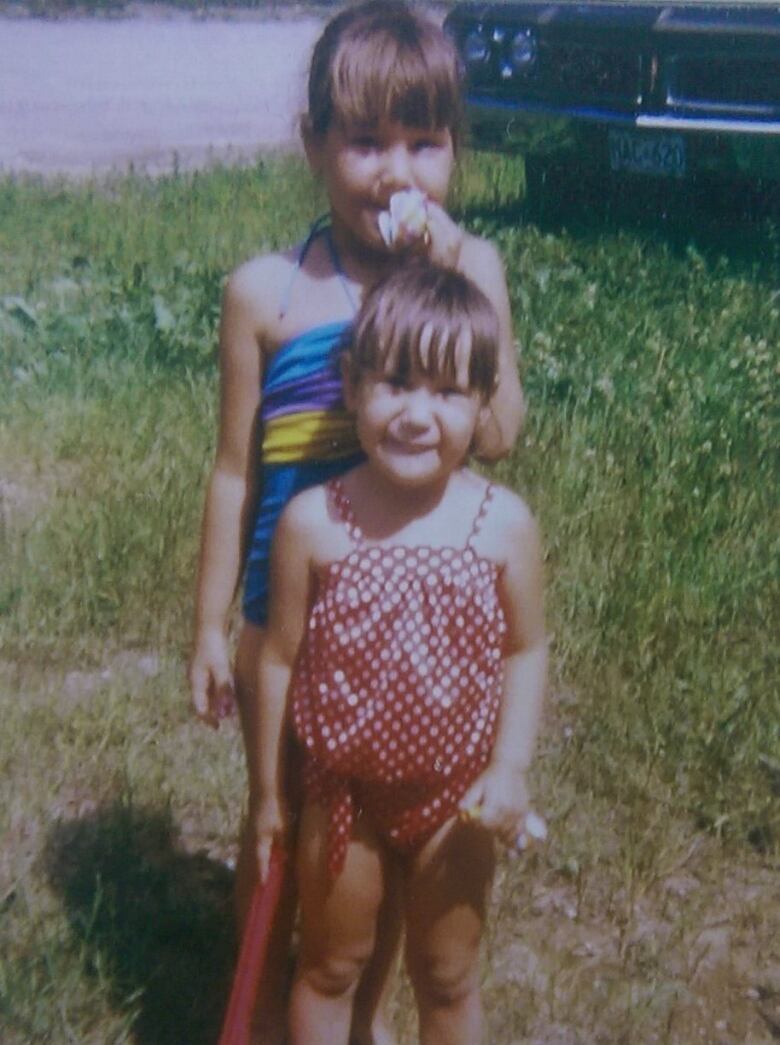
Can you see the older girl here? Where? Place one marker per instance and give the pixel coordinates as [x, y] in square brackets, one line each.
[383, 118]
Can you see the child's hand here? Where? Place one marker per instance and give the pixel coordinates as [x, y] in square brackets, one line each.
[269, 822]
[499, 801]
[211, 680]
[445, 237]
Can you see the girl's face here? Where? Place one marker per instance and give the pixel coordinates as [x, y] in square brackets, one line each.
[415, 431]
[363, 166]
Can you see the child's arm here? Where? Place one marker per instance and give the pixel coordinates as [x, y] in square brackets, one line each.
[229, 497]
[499, 798]
[478, 259]
[502, 418]
[290, 584]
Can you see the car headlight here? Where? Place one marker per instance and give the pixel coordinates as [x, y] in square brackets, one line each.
[523, 50]
[476, 48]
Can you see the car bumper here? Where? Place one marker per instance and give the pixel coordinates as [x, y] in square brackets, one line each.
[714, 144]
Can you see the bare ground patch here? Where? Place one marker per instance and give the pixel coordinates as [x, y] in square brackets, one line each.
[581, 949]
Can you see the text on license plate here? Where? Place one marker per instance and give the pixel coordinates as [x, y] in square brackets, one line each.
[644, 153]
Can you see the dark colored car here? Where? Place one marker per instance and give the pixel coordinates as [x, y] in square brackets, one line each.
[666, 90]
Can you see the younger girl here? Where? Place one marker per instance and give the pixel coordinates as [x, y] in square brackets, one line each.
[384, 106]
[406, 631]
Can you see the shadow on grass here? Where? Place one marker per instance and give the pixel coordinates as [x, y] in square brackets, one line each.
[154, 922]
[738, 220]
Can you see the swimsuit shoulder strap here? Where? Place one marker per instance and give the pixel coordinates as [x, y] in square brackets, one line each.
[339, 269]
[482, 511]
[343, 508]
[319, 227]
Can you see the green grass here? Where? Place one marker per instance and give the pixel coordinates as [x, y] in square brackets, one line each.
[649, 358]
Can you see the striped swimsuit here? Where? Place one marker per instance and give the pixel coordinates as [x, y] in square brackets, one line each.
[307, 434]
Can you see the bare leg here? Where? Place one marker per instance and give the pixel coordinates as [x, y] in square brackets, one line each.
[338, 930]
[446, 897]
[371, 1023]
[271, 1005]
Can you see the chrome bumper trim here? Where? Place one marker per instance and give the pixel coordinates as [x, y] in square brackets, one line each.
[501, 110]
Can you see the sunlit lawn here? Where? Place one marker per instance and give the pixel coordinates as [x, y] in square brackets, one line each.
[649, 357]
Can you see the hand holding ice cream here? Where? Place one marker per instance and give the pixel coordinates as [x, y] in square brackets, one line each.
[406, 220]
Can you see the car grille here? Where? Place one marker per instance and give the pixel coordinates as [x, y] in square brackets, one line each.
[570, 74]
[580, 74]
[728, 83]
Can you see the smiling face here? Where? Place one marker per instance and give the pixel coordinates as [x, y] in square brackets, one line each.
[362, 166]
[421, 365]
[416, 429]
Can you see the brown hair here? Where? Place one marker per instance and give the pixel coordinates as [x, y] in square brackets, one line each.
[381, 60]
[413, 323]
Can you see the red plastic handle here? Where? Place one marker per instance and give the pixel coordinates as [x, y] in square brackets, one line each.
[251, 959]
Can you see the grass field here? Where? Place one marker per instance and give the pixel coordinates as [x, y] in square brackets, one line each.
[649, 340]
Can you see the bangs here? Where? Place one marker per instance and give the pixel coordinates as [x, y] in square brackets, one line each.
[430, 353]
[381, 79]
[428, 323]
[383, 62]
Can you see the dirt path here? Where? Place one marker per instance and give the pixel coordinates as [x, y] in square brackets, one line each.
[87, 96]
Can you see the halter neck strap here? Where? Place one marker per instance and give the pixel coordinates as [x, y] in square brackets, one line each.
[320, 227]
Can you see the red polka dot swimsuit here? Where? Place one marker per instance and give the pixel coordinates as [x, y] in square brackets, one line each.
[396, 691]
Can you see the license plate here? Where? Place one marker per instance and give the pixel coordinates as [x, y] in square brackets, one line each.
[642, 153]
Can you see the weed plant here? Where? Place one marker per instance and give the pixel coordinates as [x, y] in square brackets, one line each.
[649, 359]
